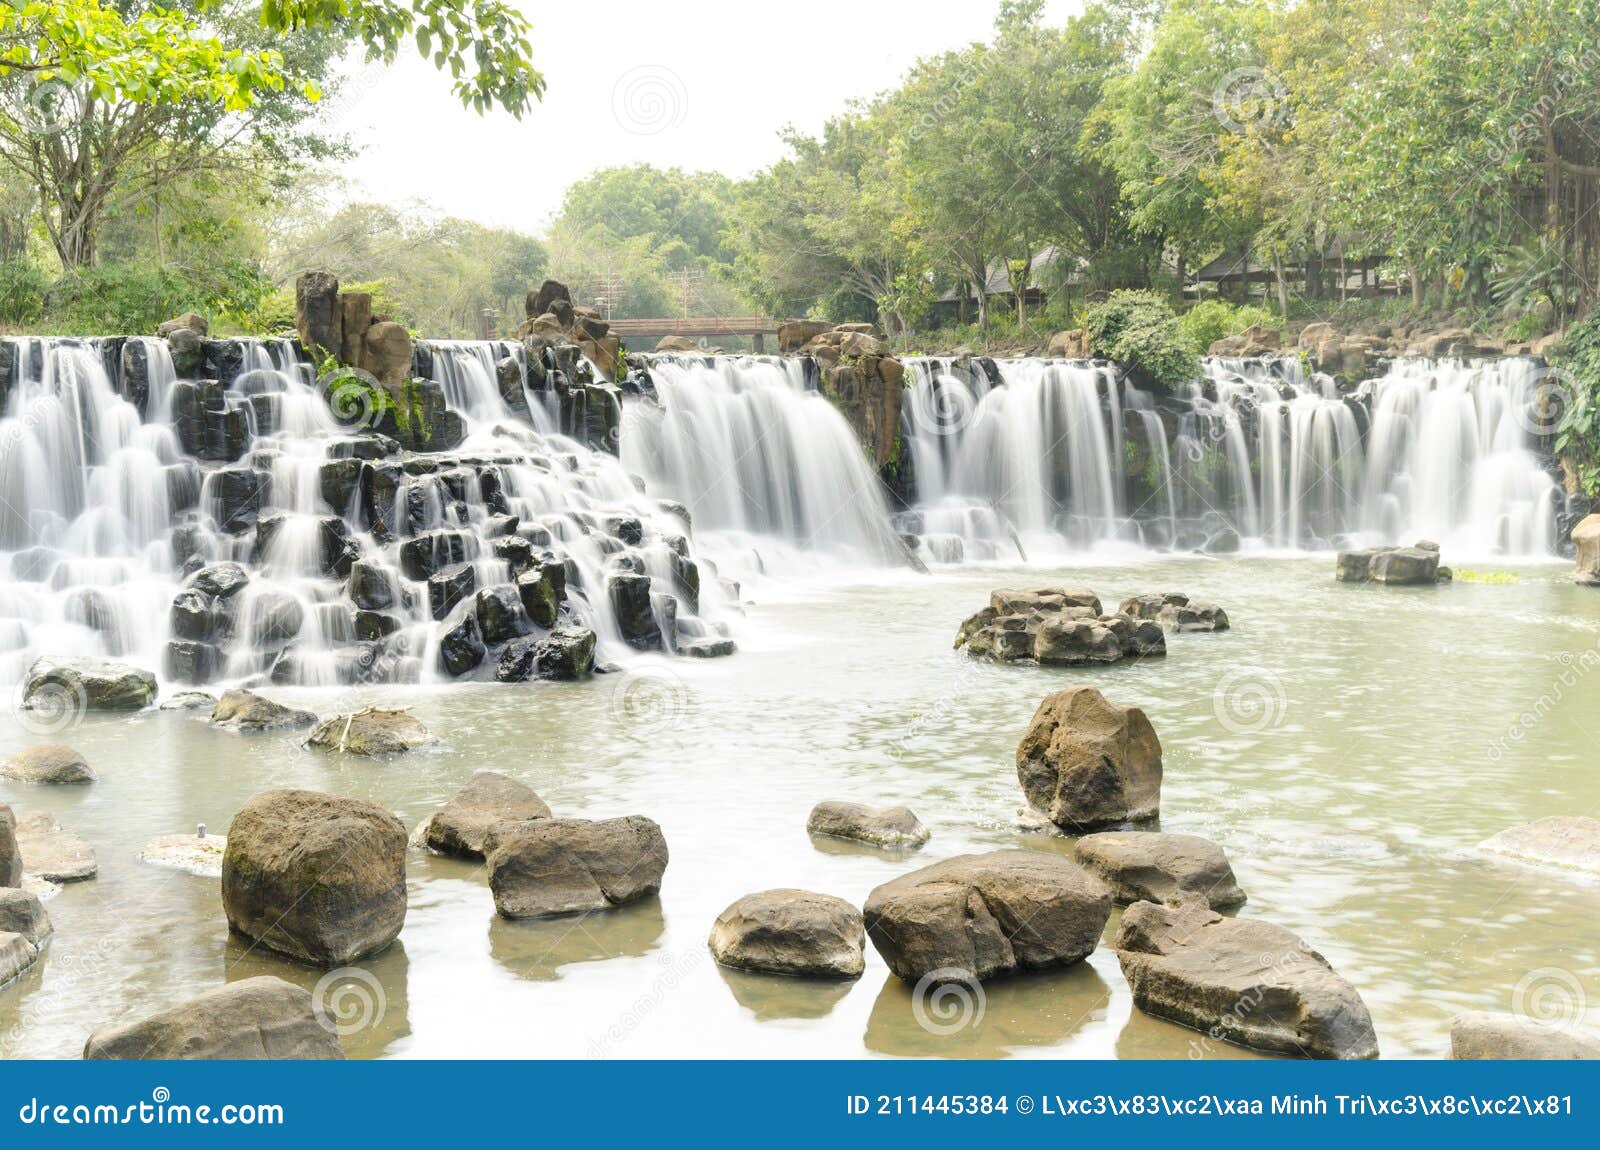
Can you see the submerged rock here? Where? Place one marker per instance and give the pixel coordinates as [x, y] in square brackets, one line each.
[1241, 981]
[1571, 842]
[191, 853]
[1148, 866]
[880, 826]
[189, 701]
[371, 731]
[318, 877]
[48, 763]
[489, 799]
[568, 866]
[1177, 611]
[1087, 763]
[254, 1018]
[248, 711]
[791, 932]
[53, 853]
[87, 683]
[980, 916]
[1488, 1035]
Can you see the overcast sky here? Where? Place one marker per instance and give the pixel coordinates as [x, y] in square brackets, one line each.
[694, 84]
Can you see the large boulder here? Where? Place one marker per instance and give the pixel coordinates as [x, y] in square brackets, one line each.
[631, 607]
[1586, 551]
[1571, 842]
[254, 1018]
[371, 731]
[461, 646]
[1481, 1035]
[978, 916]
[386, 352]
[488, 799]
[47, 763]
[1241, 981]
[318, 877]
[879, 826]
[792, 932]
[53, 853]
[1396, 566]
[1148, 866]
[318, 314]
[241, 710]
[571, 866]
[87, 683]
[22, 913]
[10, 853]
[796, 333]
[1088, 763]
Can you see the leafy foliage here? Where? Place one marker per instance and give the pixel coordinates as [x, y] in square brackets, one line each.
[1139, 330]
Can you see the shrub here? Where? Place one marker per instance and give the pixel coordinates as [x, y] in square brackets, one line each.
[132, 298]
[1576, 389]
[22, 288]
[1214, 319]
[1139, 330]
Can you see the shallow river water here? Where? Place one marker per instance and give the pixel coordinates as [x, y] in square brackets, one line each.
[1347, 745]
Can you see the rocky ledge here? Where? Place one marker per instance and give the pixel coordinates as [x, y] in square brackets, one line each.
[1057, 626]
[1417, 565]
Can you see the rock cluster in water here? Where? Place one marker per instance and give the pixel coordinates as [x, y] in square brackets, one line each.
[1395, 566]
[1057, 626]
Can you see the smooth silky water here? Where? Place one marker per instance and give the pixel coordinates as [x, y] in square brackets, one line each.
[1347, 745]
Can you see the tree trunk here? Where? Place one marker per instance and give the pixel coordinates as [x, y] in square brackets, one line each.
[1416, 286]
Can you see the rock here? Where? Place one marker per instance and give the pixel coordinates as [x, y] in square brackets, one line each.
[432, 551]
[1241, 981]
[538, 302]
[371, 731]
[796, 333]
[239, 710]
[220, 580]
[500, 615]
[1314, 335]
[461, 646]
[706, 648]
[635, 615]
[676, 343]
[1392, 565]
[17, 954]
[188, 321]
[188, 662]
[194, 615]
[1073, 344]
[1147, 866]
[22, 913]
[979, 916]
[1073, 642]
[48, 763]
[318, 315]
[386, 352]
[1494, 1036]
[1586, 551]
[317, 877]
[191, 853]
[566, 866]
[53, 853]
[370, 586]
[542, 591]
[10, 852]
[791, 932]
[1571, 842]
[87, 683]
[880, 826]
[355, 312]
[254, 1018]
[1176, 611]
[189, 701]
[1224, 542]
[1087, 763]
[489, 799]
[272, 618]
[568, 653]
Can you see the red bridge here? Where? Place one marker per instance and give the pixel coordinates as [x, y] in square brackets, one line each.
[696, 327]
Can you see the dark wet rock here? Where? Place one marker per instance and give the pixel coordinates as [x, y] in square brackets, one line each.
[516, 552]
[791, 932]
[336, 550]
[980, 916]
[880, 826]
[631, 606]
[238, 493]
[340, 481]
[87, 683]
[371, 731]
[273, 617]
[320, 878]
[52, 763]
[254, 1018]
[247, 711]
[53, 853]
[1495, 1036]
[194, 615]
[1148, 866]
[570, 866]
[489, 799]
[431, 552]
[449, 588]
[500, 614]
[220, 580]
[371, 587]
[1087, 763]
[461, 646]
[1176, 611]
[1224, 542]
[566, 653]
[374, 625]
[186, 661]
[542, 590]
[1241, 981]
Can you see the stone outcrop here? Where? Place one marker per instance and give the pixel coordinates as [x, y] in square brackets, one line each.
[888, 827]
[1241, 981]
[1086, 763]
[317, 877]
[194, 854]
[47, 763]
[254, 1018]
[1481, 1035]
[1074, 344]
[1176, 612]
[550, 867]
[980, 916]
[53, 853]
[1057, 626]
[247, 711]
[17, 954]
[1586, 551]
[1149, 866]
[489, 799]
[87, 683]
[1568, 842]
[371, 731]
[10, 852]
[21, 913]
[791, 932]
[1396, 566]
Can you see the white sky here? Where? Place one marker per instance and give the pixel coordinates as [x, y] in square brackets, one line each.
[695, 84]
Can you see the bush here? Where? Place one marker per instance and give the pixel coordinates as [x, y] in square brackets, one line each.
[22, 288]
[132, 298]
[1214, 319]
[1577, 389]
[1139, 330]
